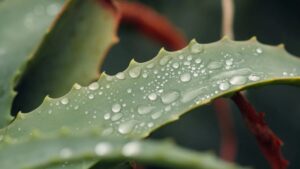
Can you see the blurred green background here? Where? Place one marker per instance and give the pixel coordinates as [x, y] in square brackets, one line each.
[273, 22]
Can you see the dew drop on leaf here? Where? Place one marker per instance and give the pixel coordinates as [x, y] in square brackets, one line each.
[94, 86]
[145, 109]
[131, 149]
[156, 115]
[103, 148]
[198, 60]
[135, 72]
[126, 127]
[185, 77]
[116, 117]
[259, 50]
[152, 96]
[120, 75]
[64, 101]
[238, 80]
[253, 77]
[169, 97]
[106, 116]
[116, 108]
[224, 86]
[175, 65]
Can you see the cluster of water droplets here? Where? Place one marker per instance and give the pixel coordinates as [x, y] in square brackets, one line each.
[148, 94]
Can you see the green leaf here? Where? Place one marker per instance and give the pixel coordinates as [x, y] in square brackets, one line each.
[65, 151]
[148, 95]
[71, 52]
[23, 24]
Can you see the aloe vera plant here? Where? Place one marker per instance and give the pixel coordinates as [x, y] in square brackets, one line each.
[79, 118]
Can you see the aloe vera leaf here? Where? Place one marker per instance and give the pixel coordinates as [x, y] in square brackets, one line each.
[71, 52]
[23, 24]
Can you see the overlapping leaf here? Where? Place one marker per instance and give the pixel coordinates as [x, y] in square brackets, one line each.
[71, 52]
[23, 24]
[81, 152]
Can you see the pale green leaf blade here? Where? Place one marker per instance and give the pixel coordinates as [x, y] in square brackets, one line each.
[148, 95]
[71, 52]
[23, 24]
[66, 151]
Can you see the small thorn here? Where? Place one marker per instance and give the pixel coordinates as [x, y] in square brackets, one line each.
[253, 39]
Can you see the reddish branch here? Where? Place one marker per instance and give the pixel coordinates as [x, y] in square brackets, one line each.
[268, 142]
[228, 146]
[152, 24]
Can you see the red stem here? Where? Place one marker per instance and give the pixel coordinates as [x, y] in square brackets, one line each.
[152, 24]
[228, 146]
[134, 165]
[269, 143]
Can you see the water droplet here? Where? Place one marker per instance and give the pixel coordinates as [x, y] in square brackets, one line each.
[169, 97]
[189, 57]
[152, 96]
[238, 80]
[185, 77]
[253, 77]
[224, 86]
[76, 107]
[77, 86]
[156, 115]
[131, 149]
[229, 62]
[91, 96]
[129, 90]
[191, 94]
[150, 124]
[164, 60]
[107, 116]
[259, 50]
[103, 148]
[196, 48]
[126, 127]
[135, 72]
[198, 60]
[175, 65]
[214, 65]
[116, 108]
[64, 101]
[65, 153]
[145, 109]
[116, 117]
[120, 75]
[94, 86]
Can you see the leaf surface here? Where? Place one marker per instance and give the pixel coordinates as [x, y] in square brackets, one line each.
[23, 24]
[80, 152]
